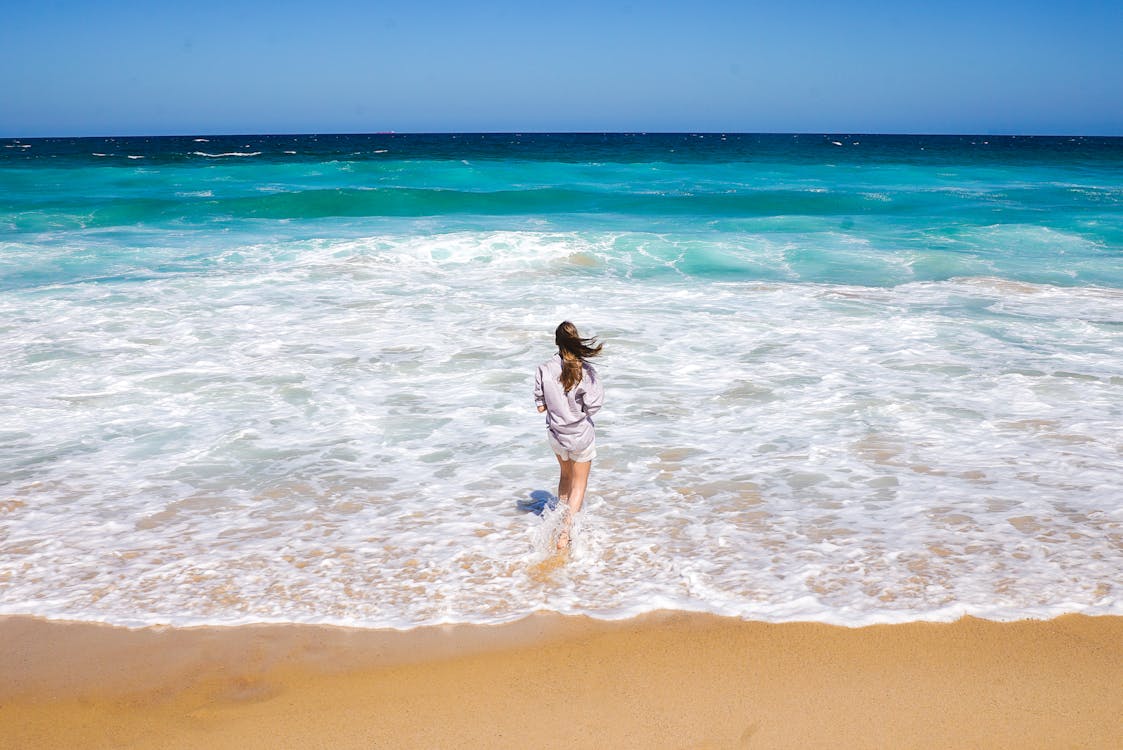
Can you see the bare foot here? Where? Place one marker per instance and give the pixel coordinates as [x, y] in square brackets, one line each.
[563, 541]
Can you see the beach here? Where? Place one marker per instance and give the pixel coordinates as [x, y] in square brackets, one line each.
[664, 680]
[270, 423]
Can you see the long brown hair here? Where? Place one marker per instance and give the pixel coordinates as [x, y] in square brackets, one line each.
[574, 350]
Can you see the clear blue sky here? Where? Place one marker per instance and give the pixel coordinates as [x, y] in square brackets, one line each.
[251, 66]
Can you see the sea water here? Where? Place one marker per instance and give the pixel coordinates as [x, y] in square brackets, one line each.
[851, 379]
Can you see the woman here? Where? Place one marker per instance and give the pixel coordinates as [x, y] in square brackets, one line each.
[566, 387]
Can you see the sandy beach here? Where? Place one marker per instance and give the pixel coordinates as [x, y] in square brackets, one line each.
[667, 680]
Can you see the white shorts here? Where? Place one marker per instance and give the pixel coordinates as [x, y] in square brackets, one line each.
[588, 454]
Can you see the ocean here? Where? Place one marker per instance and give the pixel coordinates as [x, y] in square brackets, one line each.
[850, 378]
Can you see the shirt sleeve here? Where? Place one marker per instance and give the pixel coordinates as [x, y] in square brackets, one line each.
[593, 396]
[539, 396]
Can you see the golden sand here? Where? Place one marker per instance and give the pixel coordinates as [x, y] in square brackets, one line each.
[667, 680]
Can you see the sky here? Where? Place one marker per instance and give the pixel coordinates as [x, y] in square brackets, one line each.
[250, 66]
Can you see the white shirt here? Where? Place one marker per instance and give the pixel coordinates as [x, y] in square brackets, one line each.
[568, 415]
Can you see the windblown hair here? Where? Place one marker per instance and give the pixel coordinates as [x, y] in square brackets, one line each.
[574, 350]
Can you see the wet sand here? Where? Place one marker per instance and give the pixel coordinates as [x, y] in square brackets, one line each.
[668, 680]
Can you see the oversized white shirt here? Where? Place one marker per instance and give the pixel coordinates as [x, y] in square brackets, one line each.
[568, 415]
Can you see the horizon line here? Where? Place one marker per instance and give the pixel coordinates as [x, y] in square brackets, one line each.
[824, 133]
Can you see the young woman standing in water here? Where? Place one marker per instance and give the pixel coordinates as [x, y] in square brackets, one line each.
[567, 389]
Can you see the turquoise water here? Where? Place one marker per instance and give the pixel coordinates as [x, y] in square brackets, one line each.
[851, 378]
[869, 210]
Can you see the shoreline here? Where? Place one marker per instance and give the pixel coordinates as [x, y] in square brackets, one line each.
[668, 679]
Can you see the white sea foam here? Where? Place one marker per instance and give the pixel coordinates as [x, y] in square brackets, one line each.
[228, 153]
[338, 431]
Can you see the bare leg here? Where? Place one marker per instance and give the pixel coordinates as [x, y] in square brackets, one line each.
[565, 478]
[565, 482]
[578, 481]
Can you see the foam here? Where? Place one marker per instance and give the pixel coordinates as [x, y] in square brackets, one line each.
[228, 153]
[337, 430]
